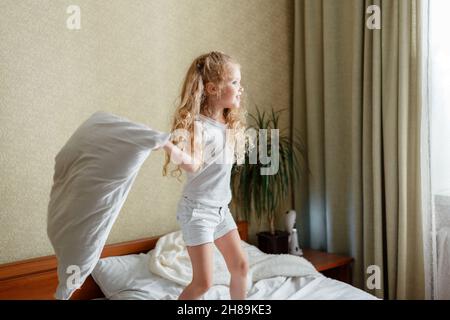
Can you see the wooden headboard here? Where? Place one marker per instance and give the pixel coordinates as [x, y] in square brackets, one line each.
[36, 279]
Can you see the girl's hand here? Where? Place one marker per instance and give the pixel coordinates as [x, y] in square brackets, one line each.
[188, 162]
[160, 147]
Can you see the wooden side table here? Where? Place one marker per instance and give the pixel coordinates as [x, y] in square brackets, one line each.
[331, 265]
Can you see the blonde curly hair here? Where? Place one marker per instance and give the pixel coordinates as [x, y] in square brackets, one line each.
[211, 67]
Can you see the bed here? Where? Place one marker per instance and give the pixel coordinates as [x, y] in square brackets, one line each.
[127, 264]
[90, 186]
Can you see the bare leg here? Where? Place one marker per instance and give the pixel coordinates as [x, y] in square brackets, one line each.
[236, 260]
[202, 271]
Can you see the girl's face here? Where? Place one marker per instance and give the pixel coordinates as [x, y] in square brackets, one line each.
[231, 90]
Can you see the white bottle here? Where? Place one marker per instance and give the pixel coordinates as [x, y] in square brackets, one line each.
[294, 248]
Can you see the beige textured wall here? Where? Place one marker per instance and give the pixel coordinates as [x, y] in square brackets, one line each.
[128, 58]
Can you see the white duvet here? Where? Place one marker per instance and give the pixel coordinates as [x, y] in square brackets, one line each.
[129, 278]
[170, 260]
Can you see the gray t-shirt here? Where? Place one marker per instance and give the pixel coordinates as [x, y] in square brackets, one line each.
[210, 185]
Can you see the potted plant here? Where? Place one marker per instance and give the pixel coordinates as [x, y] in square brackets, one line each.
[260, 194]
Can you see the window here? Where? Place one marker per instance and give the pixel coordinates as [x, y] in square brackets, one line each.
[437, 215]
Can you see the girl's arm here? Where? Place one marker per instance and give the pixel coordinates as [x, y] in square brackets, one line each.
[187, 162]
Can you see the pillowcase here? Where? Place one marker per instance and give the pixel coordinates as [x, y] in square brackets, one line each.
[128, 278]
[94, 172]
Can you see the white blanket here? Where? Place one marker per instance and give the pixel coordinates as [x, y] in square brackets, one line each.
[170, 260]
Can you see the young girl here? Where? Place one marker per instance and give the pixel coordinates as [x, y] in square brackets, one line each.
[209, 115]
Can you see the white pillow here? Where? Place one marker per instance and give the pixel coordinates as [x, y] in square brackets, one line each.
[94, 172]
[128, 278]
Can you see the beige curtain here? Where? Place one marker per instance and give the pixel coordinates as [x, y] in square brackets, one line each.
[357, 103]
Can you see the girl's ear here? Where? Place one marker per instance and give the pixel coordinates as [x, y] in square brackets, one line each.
[210, 88]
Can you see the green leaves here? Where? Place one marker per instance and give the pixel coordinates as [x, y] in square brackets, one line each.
[262, 195]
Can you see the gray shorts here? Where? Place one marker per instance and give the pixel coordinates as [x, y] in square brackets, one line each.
[202, 223]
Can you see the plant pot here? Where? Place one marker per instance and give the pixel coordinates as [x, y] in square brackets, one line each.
[243, 229]
[274, 244]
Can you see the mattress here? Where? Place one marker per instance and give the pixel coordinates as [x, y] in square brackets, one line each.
[128, 278]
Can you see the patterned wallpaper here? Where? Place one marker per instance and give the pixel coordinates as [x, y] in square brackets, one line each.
[129, 58]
